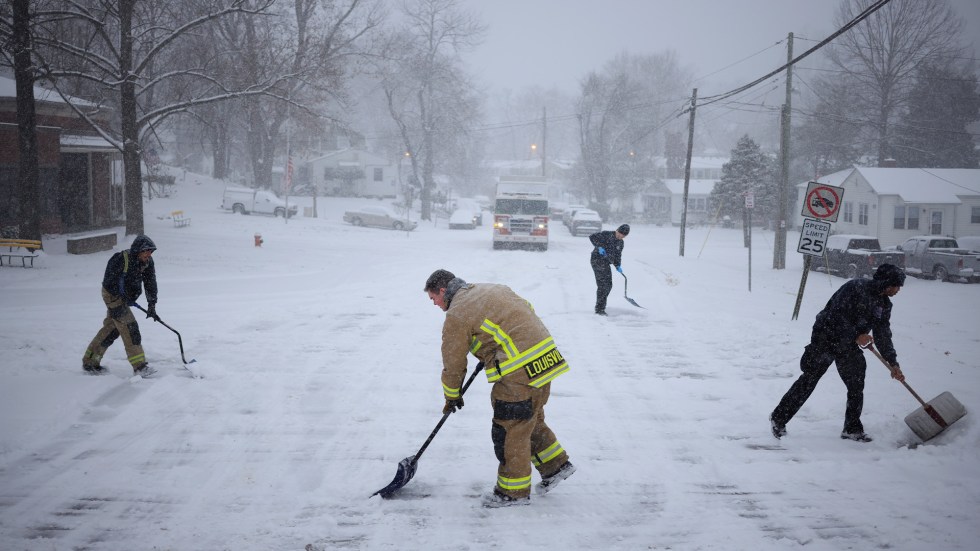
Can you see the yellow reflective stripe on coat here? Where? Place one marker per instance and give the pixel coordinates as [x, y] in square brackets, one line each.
[546, 455]
[548, 377]
[451, 393]
[501, 337]
[514, 484]
[475, 345]
[529, 355]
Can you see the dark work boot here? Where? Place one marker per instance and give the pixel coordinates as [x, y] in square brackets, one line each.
[94, 369]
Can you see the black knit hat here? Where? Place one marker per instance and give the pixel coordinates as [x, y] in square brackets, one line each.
[624, 229]
[890, 275]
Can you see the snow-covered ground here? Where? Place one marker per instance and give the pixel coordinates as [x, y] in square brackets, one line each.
[320, 356]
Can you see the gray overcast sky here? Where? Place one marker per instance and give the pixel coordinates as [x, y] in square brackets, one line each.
[556, 42]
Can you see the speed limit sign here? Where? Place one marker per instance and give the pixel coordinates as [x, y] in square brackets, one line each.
[813, 238]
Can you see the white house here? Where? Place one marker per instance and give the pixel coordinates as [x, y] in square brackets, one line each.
[351, 173]
[698, 208]
[894, 204]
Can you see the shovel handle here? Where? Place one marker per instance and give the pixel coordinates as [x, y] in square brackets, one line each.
[476, 371]
[180, 341]
[874, 350]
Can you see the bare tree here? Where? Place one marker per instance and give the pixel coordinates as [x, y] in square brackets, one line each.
[121, 47]
[429, 97]
[883, 52]
[318, 43]
[828, 137]
[622, 117]
[26, 200]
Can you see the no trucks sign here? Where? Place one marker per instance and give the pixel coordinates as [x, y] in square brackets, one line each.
[822, 201]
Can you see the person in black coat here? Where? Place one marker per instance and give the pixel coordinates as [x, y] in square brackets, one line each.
[608, 249]
[126, 275]
[859, 309]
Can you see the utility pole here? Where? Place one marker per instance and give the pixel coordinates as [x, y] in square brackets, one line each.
[687, 167]
[544, 141]
[779, 250]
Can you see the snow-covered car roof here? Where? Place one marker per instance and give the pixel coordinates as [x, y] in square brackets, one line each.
[586, 214]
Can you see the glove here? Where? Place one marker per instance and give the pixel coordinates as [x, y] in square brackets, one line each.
[619, 269]
[897, 373]
[602, 252]
[151, 312]
[451, 405]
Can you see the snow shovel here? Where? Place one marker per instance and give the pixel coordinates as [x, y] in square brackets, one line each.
[628, 299]
[934, 416]
[407, 466]
[180, 341]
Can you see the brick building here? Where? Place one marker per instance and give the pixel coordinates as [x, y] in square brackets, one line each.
[80, 172]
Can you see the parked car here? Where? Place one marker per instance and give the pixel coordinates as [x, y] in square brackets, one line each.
[585, 222]
[380, 217]
[566, 215]
[853, 256]
[473, 206]
[247, 200]
[941, 258]
[463, 219]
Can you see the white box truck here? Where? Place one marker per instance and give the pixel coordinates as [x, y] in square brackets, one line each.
[520, 215]
[243, 200]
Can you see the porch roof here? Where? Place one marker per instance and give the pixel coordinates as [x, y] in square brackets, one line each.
[74, 143]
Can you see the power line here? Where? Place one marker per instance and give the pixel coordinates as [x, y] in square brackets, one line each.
[707, 100]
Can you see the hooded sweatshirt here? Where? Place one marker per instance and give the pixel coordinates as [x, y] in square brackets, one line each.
[125, 276]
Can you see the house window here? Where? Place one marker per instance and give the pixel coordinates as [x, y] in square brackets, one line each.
[849, 212]
[379, 175]
[900, 218]
[862, 214]
[913, 217]
[696, 204]
[975, 215]
[936, 225]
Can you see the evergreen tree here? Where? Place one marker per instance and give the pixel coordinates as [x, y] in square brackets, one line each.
[749, 171]
[934, 133]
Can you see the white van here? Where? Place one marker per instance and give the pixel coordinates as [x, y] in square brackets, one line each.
[244, 200]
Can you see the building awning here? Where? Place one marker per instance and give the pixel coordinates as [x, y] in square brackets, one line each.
[73, 143]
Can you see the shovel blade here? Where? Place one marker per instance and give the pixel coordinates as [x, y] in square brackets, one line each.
[405, 472]
[943, 411]
[633, 302]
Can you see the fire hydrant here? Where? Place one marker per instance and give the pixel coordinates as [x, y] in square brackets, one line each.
[258, 240]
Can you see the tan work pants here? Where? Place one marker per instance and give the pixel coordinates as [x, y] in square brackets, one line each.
[119, 322]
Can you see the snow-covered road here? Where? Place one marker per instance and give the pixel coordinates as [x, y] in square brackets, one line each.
[320, 356]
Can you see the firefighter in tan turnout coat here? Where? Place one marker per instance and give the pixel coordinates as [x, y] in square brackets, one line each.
[521, 360]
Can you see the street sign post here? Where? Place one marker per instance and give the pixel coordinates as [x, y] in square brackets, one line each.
[821, 205]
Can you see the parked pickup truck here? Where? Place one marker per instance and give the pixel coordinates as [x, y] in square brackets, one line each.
[853, 256]
[940, 257]
[246, 201]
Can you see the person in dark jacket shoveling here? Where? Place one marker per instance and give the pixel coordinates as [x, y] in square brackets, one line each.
[857, 315]
[126, 274]
[608, 249]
